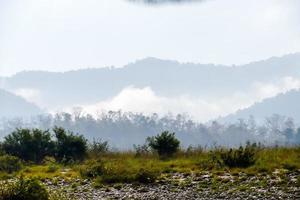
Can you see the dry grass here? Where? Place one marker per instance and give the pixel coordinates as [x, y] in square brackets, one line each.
[127, 165]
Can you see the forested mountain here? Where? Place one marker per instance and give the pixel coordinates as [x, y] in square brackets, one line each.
[286, 104]
[15, 106]
[167, 78]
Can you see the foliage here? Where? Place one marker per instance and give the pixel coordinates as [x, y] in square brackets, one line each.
[23, 189]
[69, 147]
[10, 164]
[241, 157]
[29, 145]
[35, 145]
[146, 176]
[166, 144]
[98, 148]
[93, 169]
[141, 150]
[126, 167]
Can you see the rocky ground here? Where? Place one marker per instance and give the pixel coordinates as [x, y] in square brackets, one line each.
[278, 185]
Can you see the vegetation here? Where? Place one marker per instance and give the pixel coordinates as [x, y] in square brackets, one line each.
[29, 145]
[10, 164]
[241, 157]
[98, 148]
[34, 145]
[101, 165]
[166, 144]
[69, 147]
[23, 189]
[119, 126]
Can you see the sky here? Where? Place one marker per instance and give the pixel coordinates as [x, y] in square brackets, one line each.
[62, 35]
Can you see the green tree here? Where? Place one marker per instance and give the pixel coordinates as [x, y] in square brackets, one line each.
[166, 144]
[69, 146]
[29, 145]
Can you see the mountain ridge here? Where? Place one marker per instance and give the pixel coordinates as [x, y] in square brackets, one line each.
[284, 104]
[15, 106]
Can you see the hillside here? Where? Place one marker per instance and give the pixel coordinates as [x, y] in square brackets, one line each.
[284, 104]
[166, 78]
[15, 106]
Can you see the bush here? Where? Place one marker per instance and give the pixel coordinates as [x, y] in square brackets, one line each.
[23, 190]
[69, 147]
[10, 164]
[29, 145]
[93, 169]
[166, 144]
[52, 168]
[98, 148]
[34, 145]
[49, 160]
[141, 150]
[146, 176]
[242, 157]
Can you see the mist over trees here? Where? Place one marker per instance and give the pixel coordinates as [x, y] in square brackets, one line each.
[124, 129]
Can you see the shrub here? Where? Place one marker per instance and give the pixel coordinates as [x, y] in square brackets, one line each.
[29, 145]
[10, 164]
[52, 168]
[141, 150]
[23, 190]
[69, 147]
[166, 144]
[242, 157]
[49, 160]
[290, 166]
[93, 169]
[146, 176]
[98, 147]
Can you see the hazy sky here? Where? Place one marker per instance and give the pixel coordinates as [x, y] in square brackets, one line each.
[61, 35]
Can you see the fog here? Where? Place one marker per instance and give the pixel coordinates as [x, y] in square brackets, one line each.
[124, 129]
[144, 66]
[56, 35]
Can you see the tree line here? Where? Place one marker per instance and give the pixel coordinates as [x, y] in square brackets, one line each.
[122, 130]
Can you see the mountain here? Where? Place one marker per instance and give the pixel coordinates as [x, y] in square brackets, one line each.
[166, 78]
[286, 104]
[15, 106]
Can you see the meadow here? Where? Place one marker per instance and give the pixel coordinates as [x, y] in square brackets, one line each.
[153, 163]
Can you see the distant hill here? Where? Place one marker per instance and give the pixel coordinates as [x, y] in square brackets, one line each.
[287, 104]
[167, 78]
[15, 106]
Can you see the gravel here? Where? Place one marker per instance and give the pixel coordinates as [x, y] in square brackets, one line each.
[203, 186]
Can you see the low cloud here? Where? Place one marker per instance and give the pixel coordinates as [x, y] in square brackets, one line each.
[29, 94]
[146, 101]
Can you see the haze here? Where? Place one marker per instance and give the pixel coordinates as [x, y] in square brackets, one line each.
[57, 35]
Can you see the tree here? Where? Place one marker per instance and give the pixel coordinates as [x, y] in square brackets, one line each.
[289, 135]
[297, 137]
[29, 145]
[166, 144]
[69, 146]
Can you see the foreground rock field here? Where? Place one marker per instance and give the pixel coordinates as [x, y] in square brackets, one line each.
[278, 185]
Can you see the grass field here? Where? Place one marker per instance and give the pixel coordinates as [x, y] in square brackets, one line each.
[125, 166]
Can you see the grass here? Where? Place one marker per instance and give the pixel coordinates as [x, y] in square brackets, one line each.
[122, 167]
[43, 172]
